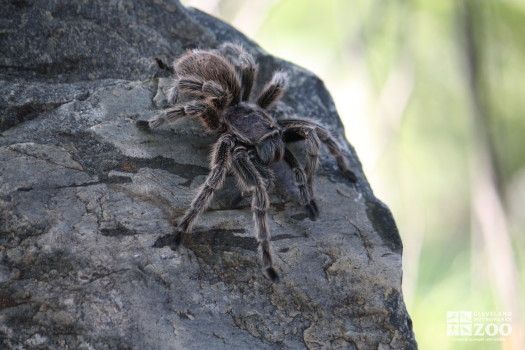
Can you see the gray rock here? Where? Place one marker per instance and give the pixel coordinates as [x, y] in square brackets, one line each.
[84, 195]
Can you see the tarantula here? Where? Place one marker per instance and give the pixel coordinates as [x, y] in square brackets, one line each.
[218, 84]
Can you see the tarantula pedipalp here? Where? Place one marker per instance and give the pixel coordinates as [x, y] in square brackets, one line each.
[219, 84]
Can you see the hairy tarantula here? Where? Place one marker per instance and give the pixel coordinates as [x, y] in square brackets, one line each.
[219, 84]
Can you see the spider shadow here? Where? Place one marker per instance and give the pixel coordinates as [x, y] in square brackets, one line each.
[220, 239]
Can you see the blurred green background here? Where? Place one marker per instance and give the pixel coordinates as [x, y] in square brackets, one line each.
[432, 95]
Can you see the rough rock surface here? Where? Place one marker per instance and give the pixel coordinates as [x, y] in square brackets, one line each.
[84, 196]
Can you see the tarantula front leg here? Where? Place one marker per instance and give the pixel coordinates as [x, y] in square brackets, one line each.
[221, 163]
[300, 127]
[206, 112]
[312, 151]
[251, 180]
[267, 177]
[333, 147]
[305, 193]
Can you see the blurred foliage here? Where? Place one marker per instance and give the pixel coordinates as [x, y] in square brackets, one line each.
[431, 94]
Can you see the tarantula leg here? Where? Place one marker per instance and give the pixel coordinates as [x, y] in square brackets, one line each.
[221, 162]
[300, 178]
[170, 115]
[312, 158]
[208, 89]
[273, 90]
[266, 174]
[251, 180]
[294, 127]
[312, 152]
[248, 74]
[206, 113]
[334, 148]
[245, 62]
[312, 144]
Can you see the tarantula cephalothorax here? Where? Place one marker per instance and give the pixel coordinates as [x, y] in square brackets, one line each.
[218, 84]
